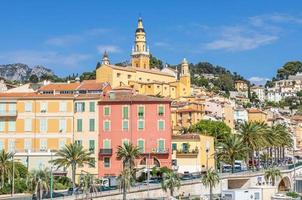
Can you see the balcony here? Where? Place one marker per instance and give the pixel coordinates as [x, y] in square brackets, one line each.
[105, 152]
[188, 153]
[9, 113]
[156, 151]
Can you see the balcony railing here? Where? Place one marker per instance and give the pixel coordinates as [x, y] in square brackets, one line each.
[188, 153]
[157, 151]
[105, 152]
[10, 113]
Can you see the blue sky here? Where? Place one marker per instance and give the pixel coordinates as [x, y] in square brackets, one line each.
[251, 37]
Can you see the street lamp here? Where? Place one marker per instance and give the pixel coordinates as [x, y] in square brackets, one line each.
[207, 153]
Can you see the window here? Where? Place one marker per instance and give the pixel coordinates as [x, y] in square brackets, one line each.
[63, 106]
[92, 106]
[2, 125]
[80, 107]
[43, 107]
[141, 145]
[125, 112]
[91, 145]
[140, 112]
[129, 76]
[161, 110]
[28, 106]
[91, 125]
[174, 147]
[2, 108]
[79, 125]
[43, 144]
[27, 144]
[106, 110]
[11, 107]
[11, 146]
[125, 141]
[11, 125]
[161, 125]
[61, 144]
[78, 142]
[43, 125]
[125, 125]
[107, 125]
[1, 145]
[106, 144]
[161, 145]
[62, 125]
[27, 124]
[141, 124]
[107, 162]
[118, 75]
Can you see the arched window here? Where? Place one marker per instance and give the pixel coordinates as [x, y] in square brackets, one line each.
[137, 48]
[143, 161]
[156, 162]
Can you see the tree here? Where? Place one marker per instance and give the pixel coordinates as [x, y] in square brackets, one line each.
[252, 134]
[271, 175]
[33, 78]
[125, 181]
[39, 181]
[170, 181]
[75, 156]
[230, 149]
[88, 183]
[210, 179]
[155, 63]
[128, 153]
[5, 166]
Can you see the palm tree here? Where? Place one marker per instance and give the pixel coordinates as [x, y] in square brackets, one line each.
[128, 153]
[5, 164]
[170, 181]
[230, 149]
[125, 181]
[272, 174]
[39, 181]
[75, 156]
[210, 179]
[253, 136]
[88, 183]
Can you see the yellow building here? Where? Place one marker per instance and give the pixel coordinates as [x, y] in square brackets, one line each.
[143, 78]
[185, 114]
[241, 85]
[37, 124]
[256, 115]
[192, 153]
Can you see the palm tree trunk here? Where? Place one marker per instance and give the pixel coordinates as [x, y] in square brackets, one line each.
[253, 160]
[124, 192]
[211, 192]
[73, 177]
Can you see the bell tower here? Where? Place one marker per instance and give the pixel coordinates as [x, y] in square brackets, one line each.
[140, 56]
[185, 78]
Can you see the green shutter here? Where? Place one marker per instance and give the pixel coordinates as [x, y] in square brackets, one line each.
[79, 125]
[161, 145]
[160, 110]
[141, 112]
[91, 145]
[125, 112]
[106, 144]
[161, 125]
[106, 111]
[141, 145]
[107, 126]
[140, 124]
[91, 107]
[125, 124]
[91, 125]
[174, 146]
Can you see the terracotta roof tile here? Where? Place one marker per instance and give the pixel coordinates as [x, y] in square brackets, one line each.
[60, 86]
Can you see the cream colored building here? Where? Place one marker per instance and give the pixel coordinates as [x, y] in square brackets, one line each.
[141, 77]
[192, 153]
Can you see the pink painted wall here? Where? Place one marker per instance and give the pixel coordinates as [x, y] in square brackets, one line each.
[150, 134]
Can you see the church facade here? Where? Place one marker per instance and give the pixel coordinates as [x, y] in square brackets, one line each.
[141, 77]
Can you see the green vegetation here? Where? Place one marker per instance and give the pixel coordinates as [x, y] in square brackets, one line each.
[210, 179]
[170, 181]
[292, 194]
[271, 175]
[75, 156]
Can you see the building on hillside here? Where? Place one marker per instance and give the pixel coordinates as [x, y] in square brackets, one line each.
[141, 77]
[36, 124]
[185, 114]
[144, 121]
[260, 92]
[3, 86]
[257, 115]
[241, 85]
[192, 153]
[240, 115]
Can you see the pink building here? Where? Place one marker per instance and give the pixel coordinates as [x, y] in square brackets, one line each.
[142, 120]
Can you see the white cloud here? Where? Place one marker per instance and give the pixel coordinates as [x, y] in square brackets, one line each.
[109, 48]
[50, 58]
[64, 40]
[258, 80]
[161, 44]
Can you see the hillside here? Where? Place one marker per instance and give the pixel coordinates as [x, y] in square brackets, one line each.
[21, 72]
